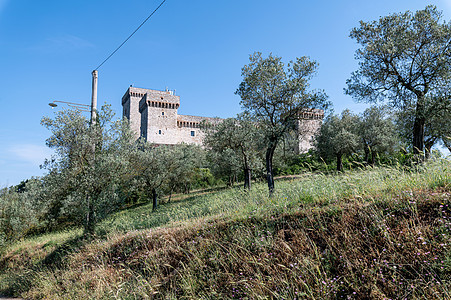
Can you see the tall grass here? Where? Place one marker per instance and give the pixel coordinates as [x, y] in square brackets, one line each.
[373, 234]
[290, 196]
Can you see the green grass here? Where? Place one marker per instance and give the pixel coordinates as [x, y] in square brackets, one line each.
[378, 233]
[290, 195]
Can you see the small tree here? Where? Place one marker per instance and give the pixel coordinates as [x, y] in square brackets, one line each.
[160, 167]
[189, 158]
[337, 137]
[82, 184]
[20, 211]
[377, 133]
[273, 95]
[225, 164]
[404, 58]
[240, 135]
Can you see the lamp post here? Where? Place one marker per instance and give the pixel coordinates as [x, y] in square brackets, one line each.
[85, 107]
[90, 215]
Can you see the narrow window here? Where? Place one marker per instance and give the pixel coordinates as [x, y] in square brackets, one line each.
[192, 133]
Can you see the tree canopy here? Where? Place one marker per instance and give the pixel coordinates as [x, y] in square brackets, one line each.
[404, 59]
[273, 95]
[83, 179]
[243, 137]
[338, 136]
[377, 132]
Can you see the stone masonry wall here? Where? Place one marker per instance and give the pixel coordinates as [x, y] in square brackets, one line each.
[153, 115]
[308, 125]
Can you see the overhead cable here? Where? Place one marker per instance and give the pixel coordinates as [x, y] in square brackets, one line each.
[131, 34]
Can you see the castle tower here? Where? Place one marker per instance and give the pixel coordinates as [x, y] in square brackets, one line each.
[309, 123]
[154, 116]
[158, 111]
[130, 107]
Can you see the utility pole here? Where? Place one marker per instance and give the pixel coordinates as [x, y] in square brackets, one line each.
[94, 97]
[90, 215]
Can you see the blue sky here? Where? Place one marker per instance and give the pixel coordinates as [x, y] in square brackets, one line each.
[49, 48]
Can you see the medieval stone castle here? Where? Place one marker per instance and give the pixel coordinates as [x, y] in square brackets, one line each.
[153, 116]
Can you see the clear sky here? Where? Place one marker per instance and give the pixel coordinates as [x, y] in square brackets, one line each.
[48, 49]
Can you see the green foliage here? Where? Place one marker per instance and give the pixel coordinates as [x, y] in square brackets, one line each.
[405, 58]
[225, 165]
[377, 133]
[338, 136]
[241, 136]
[159, 169]
[304, 163]
[273, 95]
[20, 211]
[89, 167]
[437, 127]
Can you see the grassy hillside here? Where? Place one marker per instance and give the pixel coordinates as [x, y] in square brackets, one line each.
[381, 233]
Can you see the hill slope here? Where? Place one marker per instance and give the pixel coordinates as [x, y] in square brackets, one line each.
[377, 234]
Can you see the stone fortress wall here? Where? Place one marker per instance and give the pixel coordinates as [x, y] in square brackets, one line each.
[308, 125]
[154, 116]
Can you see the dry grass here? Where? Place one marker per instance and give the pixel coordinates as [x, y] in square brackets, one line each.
[348, 240]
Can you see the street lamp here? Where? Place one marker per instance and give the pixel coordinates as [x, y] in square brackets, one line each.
[84, 107]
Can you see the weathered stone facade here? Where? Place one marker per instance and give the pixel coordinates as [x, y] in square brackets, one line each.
[308, 125]
[153, 116]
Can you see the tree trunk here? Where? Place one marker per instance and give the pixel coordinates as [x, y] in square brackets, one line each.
[269, 171]
[247, 178]
[428, 143]
[90, 222]
[418, 128]
[373, 157]
[339, 163]
[427, 150]
[247, 172]
[154, 199]
[367, 154]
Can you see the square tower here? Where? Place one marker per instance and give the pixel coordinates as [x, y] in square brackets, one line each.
[158, 111]
[130, 107]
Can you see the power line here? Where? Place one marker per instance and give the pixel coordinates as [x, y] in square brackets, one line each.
[131, 34]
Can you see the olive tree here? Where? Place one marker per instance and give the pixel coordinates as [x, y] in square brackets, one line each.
[404, 58]
[273, 95]
[88, 167]
[437, 127]
[377, 132]
[338, 136]
[20, 211]
[240, 135]
[162, 167]
[225, 164]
